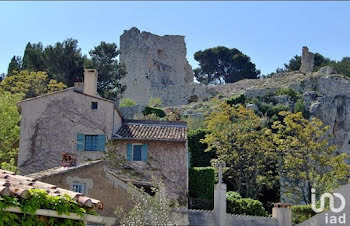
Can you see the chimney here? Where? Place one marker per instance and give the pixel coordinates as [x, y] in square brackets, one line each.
[68, 160]
[90, 82]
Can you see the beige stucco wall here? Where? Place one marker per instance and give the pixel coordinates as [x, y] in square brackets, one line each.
[50, 124]
[109, 192]
[166, 161]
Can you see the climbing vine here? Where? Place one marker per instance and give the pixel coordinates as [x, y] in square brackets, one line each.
[40, 200]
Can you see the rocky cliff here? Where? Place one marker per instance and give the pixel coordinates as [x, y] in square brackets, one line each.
[326, 96]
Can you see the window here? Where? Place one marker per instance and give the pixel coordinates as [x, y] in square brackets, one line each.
[91, 142]
[94, 105]
[137, 150]
[78, 187]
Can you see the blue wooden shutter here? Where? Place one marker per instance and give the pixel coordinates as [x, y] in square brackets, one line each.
[129, 152]
[80, 142]
[144, 152]
[101, 142]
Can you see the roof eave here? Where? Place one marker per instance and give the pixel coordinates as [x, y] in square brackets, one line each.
[147, 139]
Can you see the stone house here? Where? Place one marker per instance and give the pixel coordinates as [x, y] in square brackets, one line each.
[78, 121]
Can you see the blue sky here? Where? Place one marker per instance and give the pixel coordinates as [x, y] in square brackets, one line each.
[269, 32]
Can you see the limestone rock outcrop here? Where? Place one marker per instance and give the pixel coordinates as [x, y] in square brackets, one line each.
[327, 70]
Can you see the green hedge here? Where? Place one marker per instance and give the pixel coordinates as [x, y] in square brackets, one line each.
[201, 182]
[150, 110]
[199, 158]
[244, 206]
[301, 213]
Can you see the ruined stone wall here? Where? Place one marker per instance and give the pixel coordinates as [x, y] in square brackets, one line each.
[157, 67]
[50, 124]
[307, 61]
[167, 161]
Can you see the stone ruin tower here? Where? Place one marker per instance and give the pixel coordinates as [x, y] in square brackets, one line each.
[307, 61]
[154, 63]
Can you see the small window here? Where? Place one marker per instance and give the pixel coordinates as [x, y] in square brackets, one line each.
[94, 105]
[91, 142]
[78, 187]
[137, 152]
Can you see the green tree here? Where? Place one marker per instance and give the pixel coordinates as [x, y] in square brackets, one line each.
[307, 159]
[221, 65]
[199, 157]
[9, 129]
[238, 137]
[110, 71]
[33, 57]
[30, 84]
[14, 65]
[64, 61]
[343, 66]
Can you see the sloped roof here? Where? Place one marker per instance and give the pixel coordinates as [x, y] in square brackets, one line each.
[61, 91]
[152, 130]
[61, 169]
[19, 186]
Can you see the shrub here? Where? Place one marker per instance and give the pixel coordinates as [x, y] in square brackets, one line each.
[155, 102]
[127, 103]
[300, 107]
[237, 99]
[197, 149]
[201, 182]
[150, 110]
[289, 92]
[301, 213]
[152, 117]
[244, 206]
[271, 110]
[194, 123]
[233, 195]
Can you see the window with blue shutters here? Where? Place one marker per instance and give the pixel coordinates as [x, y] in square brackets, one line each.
[137, 152]
[91, 142]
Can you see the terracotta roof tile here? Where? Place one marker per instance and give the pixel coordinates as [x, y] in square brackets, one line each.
[19, 186]
[152, 130]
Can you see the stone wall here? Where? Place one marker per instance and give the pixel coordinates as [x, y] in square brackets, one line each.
[307, 61]
[166, 160]
[207, 218]
[50, 124]
[157, 67]
[153, 61]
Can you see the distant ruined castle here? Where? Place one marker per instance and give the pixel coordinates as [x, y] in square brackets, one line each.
[157, 67]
